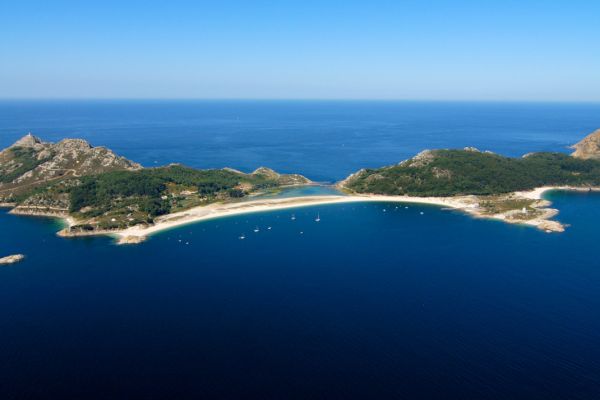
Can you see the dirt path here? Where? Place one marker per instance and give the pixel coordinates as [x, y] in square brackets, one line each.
[74, 174]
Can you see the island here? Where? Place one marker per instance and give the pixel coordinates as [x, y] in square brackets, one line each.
[486, 184]
[15, 258]
[98, 192]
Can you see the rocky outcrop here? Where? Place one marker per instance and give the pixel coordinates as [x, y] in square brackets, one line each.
[589, 147]
[131, 239]
[30, 163]
[282, 179]
[266, 172]
[422, 159]
[551, 226]
[75, 232]
[40, 211]
[29, 141]
[343, 184]
[11, 259]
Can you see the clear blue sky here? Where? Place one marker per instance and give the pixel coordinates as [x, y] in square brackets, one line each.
[351, 49]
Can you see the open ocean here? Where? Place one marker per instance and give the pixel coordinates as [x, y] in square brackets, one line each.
[365, 304]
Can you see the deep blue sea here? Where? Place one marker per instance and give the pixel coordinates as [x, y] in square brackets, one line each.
[365, 304]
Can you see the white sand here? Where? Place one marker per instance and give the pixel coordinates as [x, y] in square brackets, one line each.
[468, 204]
[221, 210]
[537, 193]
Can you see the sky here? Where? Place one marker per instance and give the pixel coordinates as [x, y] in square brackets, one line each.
[505, 50]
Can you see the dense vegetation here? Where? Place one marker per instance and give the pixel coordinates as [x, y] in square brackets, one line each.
[146, 189]
[458, 172]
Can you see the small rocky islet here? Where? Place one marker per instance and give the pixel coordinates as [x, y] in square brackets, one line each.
[13, 259]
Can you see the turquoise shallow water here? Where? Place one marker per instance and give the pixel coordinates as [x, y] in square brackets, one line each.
[364, 304]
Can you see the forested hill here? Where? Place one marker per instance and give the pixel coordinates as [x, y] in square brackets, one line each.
[471, 172]
[106, 191]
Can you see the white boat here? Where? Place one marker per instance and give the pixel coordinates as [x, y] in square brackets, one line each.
[318, 218]
[293, 217]
[256, 229]
[242, 237]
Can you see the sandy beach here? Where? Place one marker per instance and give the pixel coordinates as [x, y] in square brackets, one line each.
[137, 233]
[537, 193]
[467, 204]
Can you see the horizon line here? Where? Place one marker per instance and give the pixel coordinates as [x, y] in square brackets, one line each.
[300, 99]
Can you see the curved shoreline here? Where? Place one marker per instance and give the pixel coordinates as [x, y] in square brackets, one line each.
[468, 204]
[214, 211]
[537, 193]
